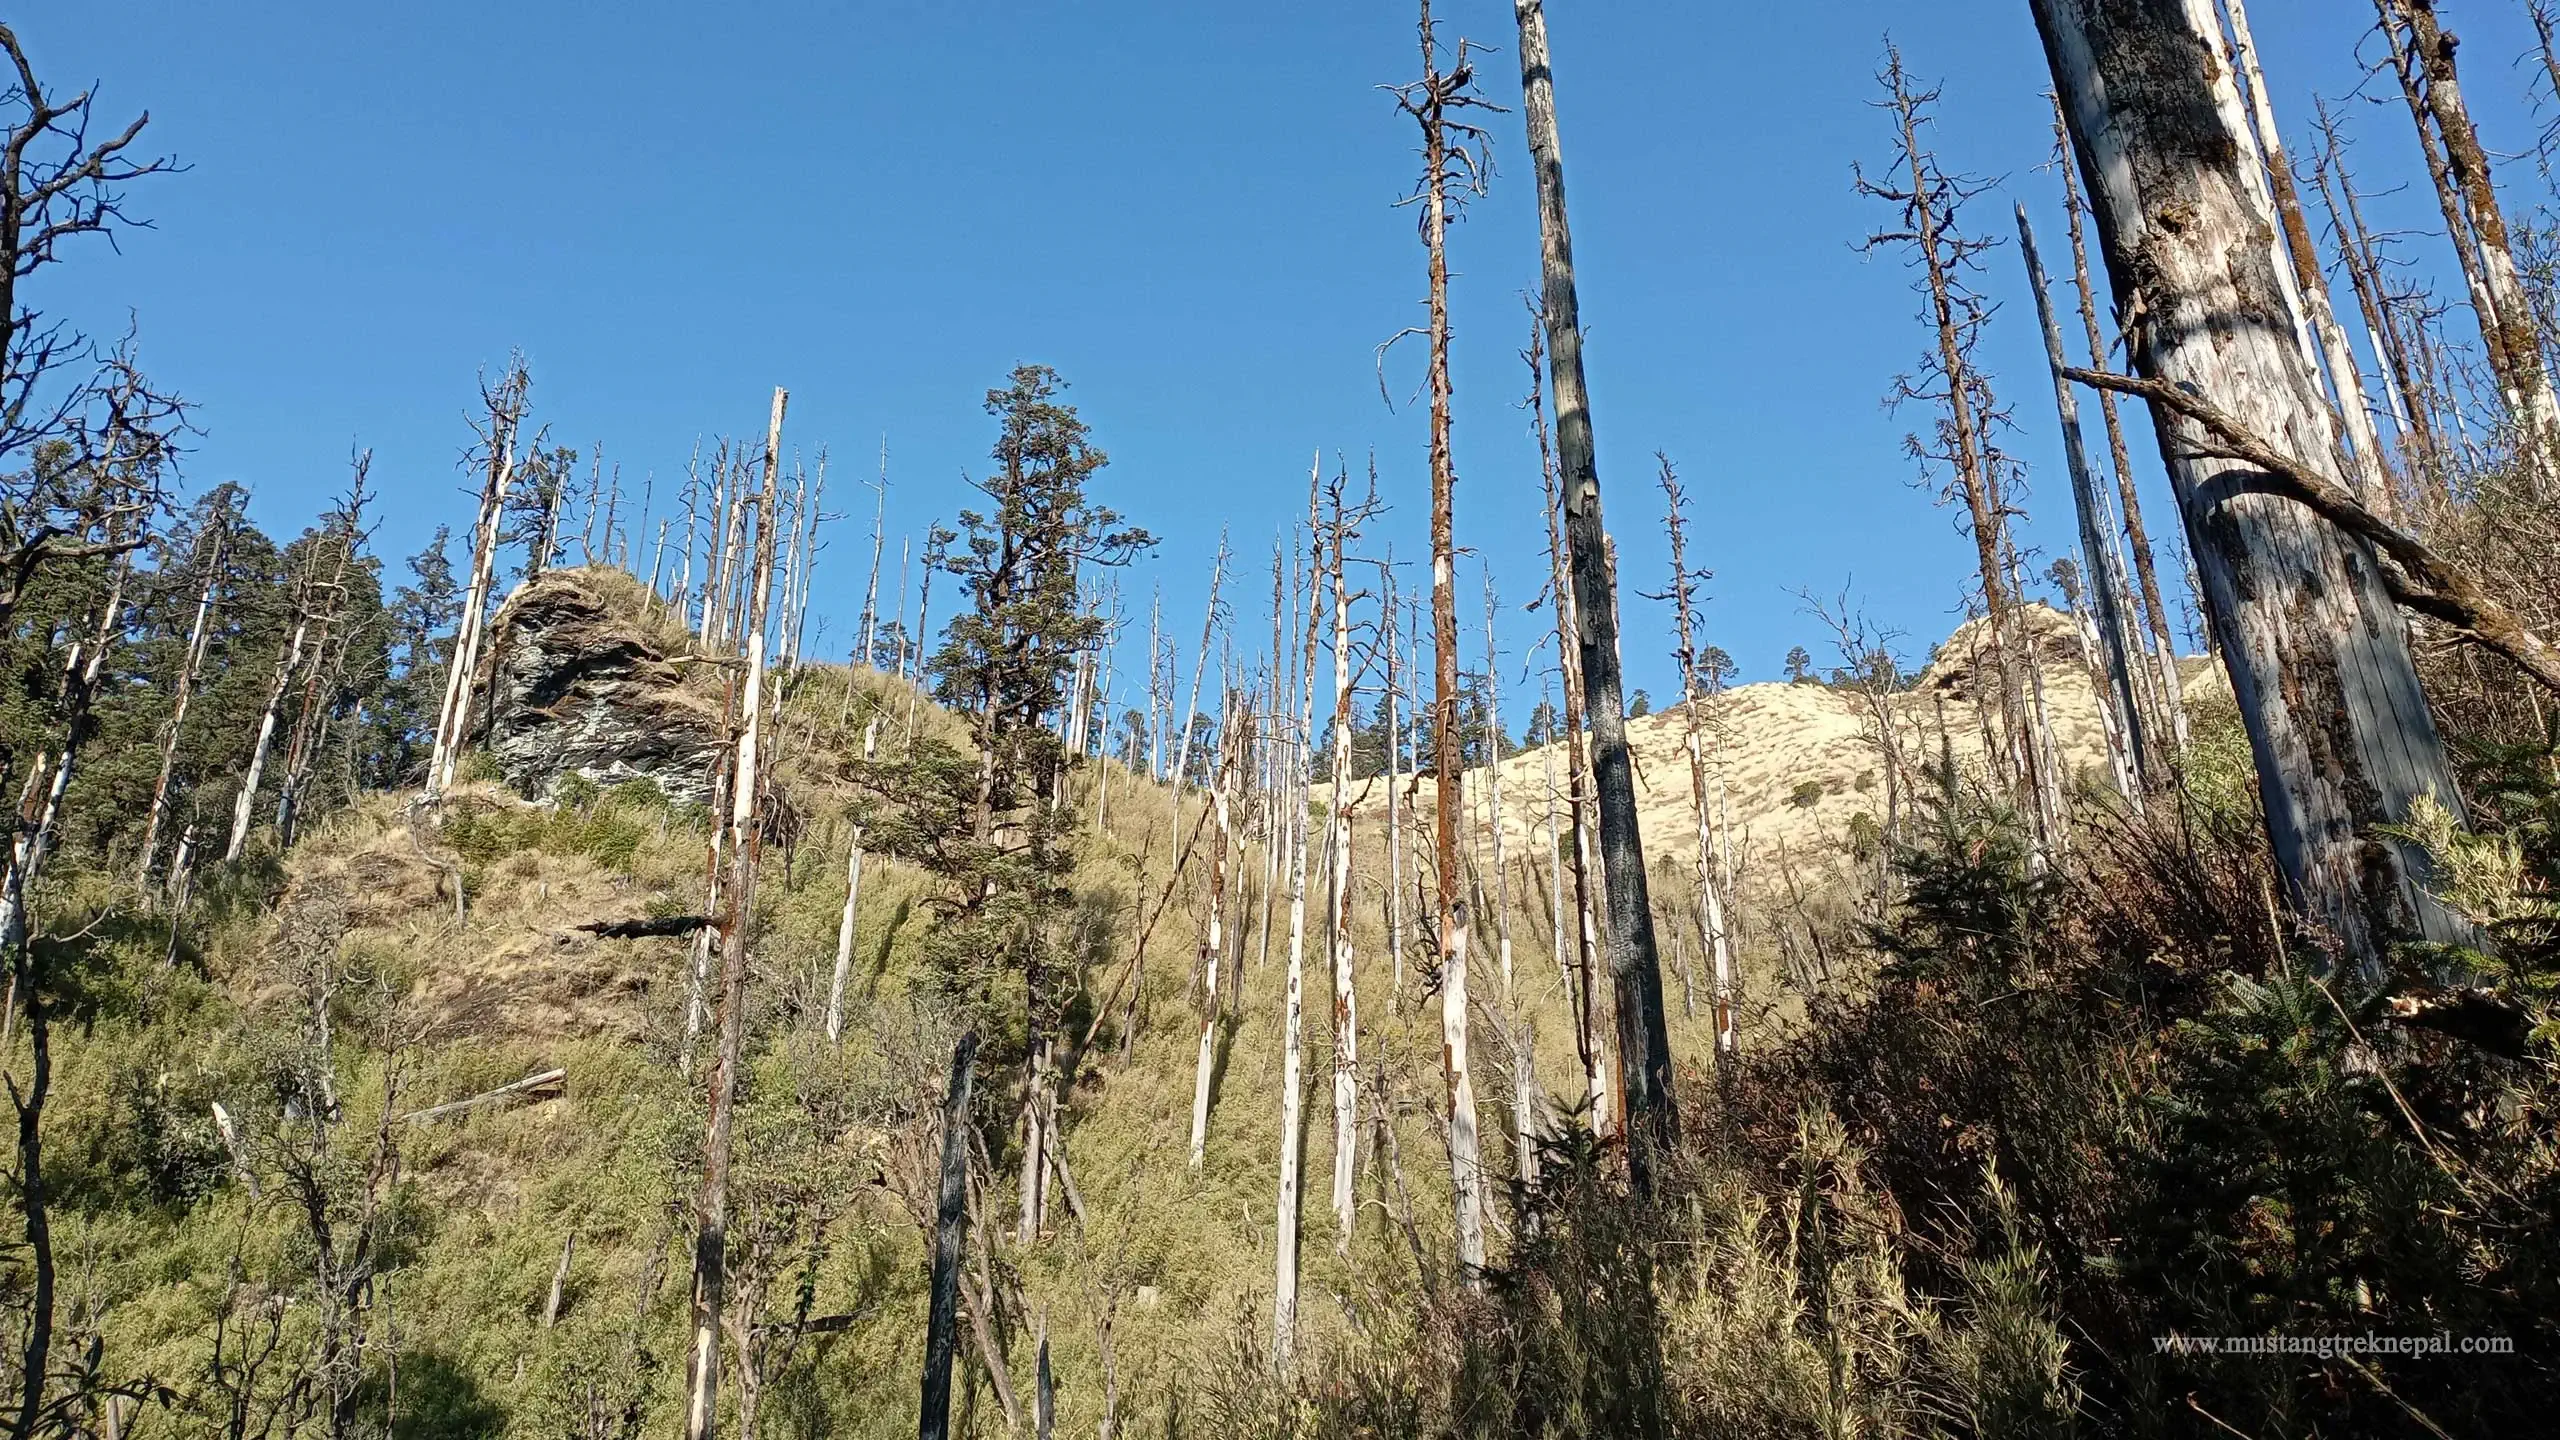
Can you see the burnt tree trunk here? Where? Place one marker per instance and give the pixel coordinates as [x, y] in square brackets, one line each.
[951, 1218]
[1644, 1044]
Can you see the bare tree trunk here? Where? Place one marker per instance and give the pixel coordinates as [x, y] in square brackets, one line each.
[289, 664]
[746, 802]
[2420, 450]
[2318, 660]
[1684, 610]
[1337, 909]
[2097, 542]
[2164, 645]
[1430, 102]
[942, 1319]
[1213, 950]
[1644, 1045]
[1395, 789]
[1293, 1085]
[216, 551]
[1590, 1040]
[506, 406]
[852, 899]
[2363, 458]
[879, 546]
[1199, 666]
[2478, 224]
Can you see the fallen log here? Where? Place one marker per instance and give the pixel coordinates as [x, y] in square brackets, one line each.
[546, 1085]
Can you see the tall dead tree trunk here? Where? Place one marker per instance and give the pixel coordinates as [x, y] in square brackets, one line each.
[288, 665]
[215, 547]
[2363, 443]
[2413, 421]
[2318, 660]
[1445, 140]
[2469, 196]
[1926, 213]
[506, 407]
[1337, 909]
[1213, 951]
[1644, 1044]
[2164, 646]
[1591, 1041]
[1693, 735]
[852, 901]
[879, 545]
[746, 843]
[2116, 643]
[1293, 1084]
[1395, 787]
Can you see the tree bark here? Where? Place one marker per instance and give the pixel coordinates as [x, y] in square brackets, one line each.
[941, 1334]
[1643, 1032]
[2318, 659]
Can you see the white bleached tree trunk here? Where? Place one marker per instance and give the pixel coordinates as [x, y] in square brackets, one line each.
[2319, 661]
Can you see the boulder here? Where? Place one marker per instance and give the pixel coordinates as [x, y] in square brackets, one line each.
[579, 684]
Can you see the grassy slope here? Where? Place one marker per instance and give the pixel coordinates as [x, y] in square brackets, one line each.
[1182, 1261]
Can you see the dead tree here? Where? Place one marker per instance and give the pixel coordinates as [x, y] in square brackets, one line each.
[1293, 1086]
[1199, 666]
[2319, 663]
[1394, 701]
[1927, 200]
[1338, 871]
[942, 1318]
[2325, 342]
[1643, 1032]
[288, 665]
[505, 404]
[2170, 692]
[852, 900]
[327, 669]
[2116, 644]
[1213, 943]
[746, 844]
[1693, 735]
[2413, 417]
[1591, 1041]
[2423, 58]
[213, 551]
[1450, 148]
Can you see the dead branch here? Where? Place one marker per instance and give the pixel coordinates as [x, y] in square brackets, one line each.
[2425, 581]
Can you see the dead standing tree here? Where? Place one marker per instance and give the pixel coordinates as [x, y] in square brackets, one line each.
[1927, 200]
[745, 849]
[1693, 692]
[213, 551]
[505, 404]
[1453, 168]
[2117, 645]
[2169, 695]
[1644, 1045]
[2319, 664]
[1590, 1041]
[2423, 60]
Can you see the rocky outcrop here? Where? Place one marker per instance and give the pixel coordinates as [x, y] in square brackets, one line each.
[580, 686]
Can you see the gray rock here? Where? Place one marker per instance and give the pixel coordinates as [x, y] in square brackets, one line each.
[579, 687]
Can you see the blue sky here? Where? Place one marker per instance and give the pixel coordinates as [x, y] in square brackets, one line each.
[1186, 209]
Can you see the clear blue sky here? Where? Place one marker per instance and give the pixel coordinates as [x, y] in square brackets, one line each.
[1184, 208]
